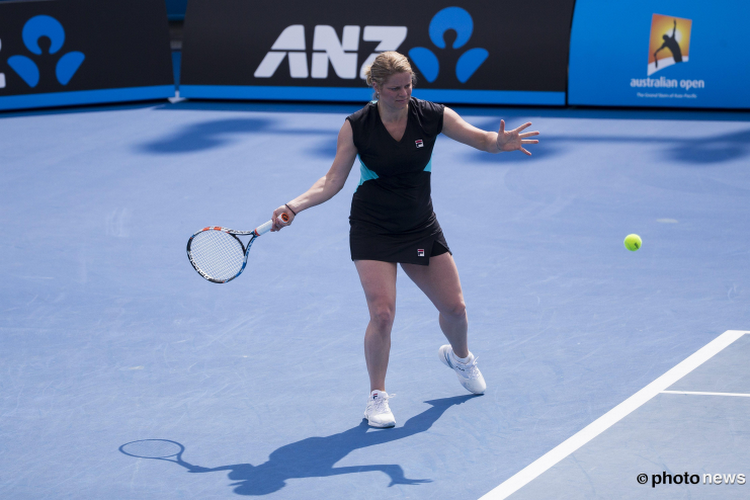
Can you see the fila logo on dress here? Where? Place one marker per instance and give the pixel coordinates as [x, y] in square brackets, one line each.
[419, 143]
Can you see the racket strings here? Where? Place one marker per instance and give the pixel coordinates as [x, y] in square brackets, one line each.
[217, 254]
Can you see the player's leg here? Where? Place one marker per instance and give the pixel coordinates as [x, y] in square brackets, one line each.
[441, 283]
[379, 283]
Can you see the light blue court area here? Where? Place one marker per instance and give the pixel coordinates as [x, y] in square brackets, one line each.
[109, 337]
[685, 441]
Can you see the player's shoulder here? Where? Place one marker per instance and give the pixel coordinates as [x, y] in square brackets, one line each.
[428, 115]
[363, 113]
[426, 108]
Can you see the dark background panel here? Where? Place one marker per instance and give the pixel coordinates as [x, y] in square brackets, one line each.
[225, 40]
[126, 44]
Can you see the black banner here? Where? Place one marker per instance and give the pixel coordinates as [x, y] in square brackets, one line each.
[60, 52]
[476, 51]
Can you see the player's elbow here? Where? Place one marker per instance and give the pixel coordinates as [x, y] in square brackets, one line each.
[332, 184]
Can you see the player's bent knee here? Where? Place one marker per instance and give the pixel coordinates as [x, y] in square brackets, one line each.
[455, 310]
[382, 317]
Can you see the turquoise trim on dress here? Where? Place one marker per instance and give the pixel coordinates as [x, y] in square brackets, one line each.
[365, 173]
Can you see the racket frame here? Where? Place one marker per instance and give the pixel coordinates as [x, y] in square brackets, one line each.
[258, 231]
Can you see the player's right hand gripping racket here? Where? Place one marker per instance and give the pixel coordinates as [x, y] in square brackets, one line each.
[219, 255]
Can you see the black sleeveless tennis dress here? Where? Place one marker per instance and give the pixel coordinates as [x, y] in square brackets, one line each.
[391, 218]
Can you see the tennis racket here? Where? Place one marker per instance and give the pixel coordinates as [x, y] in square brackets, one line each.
[219, 255]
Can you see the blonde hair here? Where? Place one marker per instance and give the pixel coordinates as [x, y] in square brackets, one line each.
[385, 66]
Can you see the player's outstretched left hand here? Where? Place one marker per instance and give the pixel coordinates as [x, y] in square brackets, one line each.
[512, 140]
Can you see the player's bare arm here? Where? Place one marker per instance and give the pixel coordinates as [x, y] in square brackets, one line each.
[327, 186]
[460, 130]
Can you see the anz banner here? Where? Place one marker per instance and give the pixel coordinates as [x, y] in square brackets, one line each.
[471, 51]
[70, 52]
[663, 53]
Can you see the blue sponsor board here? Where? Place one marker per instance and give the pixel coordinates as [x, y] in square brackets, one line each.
[307, 50]
[71, 52]
[661, 53]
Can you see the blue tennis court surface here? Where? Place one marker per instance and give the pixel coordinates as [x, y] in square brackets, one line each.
[108, 336]
[694, 441]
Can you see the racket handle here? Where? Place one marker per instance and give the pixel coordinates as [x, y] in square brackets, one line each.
[263, 229]
[283, 219]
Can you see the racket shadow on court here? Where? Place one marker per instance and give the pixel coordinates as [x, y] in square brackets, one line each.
[307, 458]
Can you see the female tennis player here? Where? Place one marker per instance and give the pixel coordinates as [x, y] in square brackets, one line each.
[392, 221]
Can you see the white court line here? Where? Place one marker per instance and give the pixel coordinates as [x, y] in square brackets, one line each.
[573, 443]
[695, 393]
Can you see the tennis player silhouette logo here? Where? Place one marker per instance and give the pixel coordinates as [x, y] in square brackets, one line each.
[460, 21]
[35, 32]
[669, 42]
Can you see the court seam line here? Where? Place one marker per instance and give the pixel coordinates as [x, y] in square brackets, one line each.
[598, 426]
[698, 393]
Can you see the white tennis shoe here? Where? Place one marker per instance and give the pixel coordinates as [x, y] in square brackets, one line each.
[468, 373]
[378, 413]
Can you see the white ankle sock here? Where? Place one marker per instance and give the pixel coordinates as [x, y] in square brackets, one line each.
[463, 360]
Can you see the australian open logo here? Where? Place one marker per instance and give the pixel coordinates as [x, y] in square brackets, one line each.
[460, 21]
[669, 45]
[35, 29]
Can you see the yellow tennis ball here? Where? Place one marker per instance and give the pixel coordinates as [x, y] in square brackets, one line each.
[633, 242]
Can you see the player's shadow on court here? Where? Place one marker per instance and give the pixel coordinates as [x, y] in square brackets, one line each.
[317, 456]
[693, 151]
[716, 149]
[206, 135]
[216, 133]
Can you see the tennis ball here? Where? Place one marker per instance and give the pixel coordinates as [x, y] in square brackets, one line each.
[633, 242]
